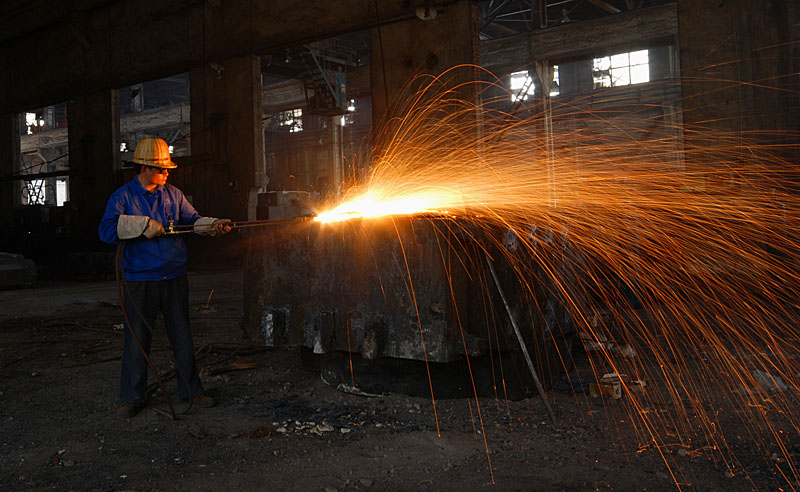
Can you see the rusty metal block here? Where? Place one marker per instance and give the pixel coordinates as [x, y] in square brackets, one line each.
[413, 288]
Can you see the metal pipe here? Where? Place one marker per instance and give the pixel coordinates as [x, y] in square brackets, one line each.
[536, 380]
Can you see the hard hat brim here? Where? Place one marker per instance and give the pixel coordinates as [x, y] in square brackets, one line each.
[162, 165]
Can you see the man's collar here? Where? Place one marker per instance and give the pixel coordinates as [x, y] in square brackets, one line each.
[141, 189]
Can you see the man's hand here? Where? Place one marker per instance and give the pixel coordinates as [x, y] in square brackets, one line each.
[153, 229]
[133, 226]
[221, 226]
[212, 226]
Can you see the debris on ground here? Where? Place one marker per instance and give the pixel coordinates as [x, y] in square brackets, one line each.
[612, 385]
[598, 342]
[237, 365]
[609, 385]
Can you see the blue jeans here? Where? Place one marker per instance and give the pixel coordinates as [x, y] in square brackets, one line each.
[171, 298]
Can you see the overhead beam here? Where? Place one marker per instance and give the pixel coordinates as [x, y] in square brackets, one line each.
[605, 6]
[106, 44]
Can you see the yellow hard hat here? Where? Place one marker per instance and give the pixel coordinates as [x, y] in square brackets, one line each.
[153, 152]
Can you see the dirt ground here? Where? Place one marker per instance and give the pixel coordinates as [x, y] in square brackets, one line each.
[277, 426]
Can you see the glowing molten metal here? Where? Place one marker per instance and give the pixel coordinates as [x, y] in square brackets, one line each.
[370, 205]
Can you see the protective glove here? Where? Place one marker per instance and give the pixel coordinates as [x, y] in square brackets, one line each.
[221, 226]
[212, 226]
[133, 226]
[153, 229]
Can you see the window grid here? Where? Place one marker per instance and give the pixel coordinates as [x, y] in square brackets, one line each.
[621, 69]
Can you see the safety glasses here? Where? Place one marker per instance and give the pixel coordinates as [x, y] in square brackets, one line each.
[158, 169]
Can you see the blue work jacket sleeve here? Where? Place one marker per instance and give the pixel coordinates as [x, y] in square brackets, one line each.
[108, 224]
[187, 213]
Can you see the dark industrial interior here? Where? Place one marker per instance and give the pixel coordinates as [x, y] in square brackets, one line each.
[385, 354]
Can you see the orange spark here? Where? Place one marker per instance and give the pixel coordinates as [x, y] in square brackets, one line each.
[679, 240]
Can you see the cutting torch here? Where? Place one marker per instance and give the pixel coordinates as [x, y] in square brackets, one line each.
[172, 228]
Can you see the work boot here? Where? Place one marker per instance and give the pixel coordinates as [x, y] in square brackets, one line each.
[127, 410]
[203, 400]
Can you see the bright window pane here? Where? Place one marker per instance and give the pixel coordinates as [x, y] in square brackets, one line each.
[639, 57]
[640, 74]
[601, 63]
[518, 80]
[621, 69]
[620, 76]
[554, 88]
[618, 61]
[61, 192]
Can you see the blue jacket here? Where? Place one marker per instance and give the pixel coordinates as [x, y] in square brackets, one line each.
[160, 258]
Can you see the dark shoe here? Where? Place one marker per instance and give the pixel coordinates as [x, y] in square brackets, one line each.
[127, 410]
[203, 400]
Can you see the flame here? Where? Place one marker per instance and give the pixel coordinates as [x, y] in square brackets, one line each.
[374, 204]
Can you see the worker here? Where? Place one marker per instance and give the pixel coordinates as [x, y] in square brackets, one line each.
[155, 272]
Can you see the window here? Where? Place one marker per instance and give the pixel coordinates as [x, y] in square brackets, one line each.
[34, 123]
[292, 118]
[43, 149]
[521, 85]
[62, 192]
[555, 86]
[621, 69]
[350, 117]
[156, 108]
[35, 192]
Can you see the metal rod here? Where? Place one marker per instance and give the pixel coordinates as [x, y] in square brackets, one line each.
[536, 380]
[188, 228]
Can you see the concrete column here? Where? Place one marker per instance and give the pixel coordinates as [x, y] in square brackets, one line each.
[9, 165]
[94, 162]
[403, 50]
[227, 144]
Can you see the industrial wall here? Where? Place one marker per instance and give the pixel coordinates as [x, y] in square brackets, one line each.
[729, 67]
